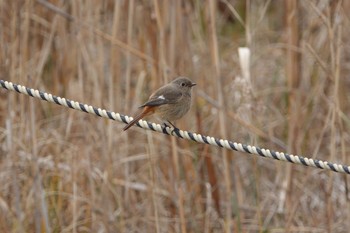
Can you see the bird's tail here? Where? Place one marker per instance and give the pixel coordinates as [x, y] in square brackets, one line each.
[146, 111]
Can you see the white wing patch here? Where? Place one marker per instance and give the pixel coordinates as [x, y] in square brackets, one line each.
[161, 97]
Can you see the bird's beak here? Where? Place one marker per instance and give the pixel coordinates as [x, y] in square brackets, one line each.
[193, 84]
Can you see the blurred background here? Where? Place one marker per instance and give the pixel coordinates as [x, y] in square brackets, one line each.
[288, 90]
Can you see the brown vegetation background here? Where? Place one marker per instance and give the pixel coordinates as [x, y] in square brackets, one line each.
[66, 171]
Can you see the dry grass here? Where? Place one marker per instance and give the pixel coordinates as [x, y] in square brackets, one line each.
[66, 171]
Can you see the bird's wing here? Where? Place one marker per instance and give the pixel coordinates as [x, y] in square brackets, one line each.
[164, 95]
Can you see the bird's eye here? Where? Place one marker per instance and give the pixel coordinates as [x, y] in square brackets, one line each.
[183, 84]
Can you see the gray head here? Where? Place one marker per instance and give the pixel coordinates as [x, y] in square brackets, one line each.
[184, 83]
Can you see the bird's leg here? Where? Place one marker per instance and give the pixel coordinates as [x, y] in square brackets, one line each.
[166, 125]
[175, 129]
[172, 125]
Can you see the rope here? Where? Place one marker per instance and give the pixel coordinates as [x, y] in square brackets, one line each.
[177, 132]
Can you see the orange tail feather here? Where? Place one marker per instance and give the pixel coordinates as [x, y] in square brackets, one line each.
[145, 112]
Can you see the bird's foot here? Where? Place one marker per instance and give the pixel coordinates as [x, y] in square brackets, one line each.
[171, 125]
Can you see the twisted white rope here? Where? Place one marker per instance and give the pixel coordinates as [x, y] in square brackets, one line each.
[177, 132]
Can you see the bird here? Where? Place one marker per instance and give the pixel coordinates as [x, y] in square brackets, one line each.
[170, 102]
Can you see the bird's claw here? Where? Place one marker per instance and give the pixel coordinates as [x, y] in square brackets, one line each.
[173, 128]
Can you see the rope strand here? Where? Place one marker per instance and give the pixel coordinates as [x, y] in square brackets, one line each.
[177, 132]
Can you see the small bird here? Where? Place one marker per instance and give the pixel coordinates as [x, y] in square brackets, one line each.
[170, 102]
